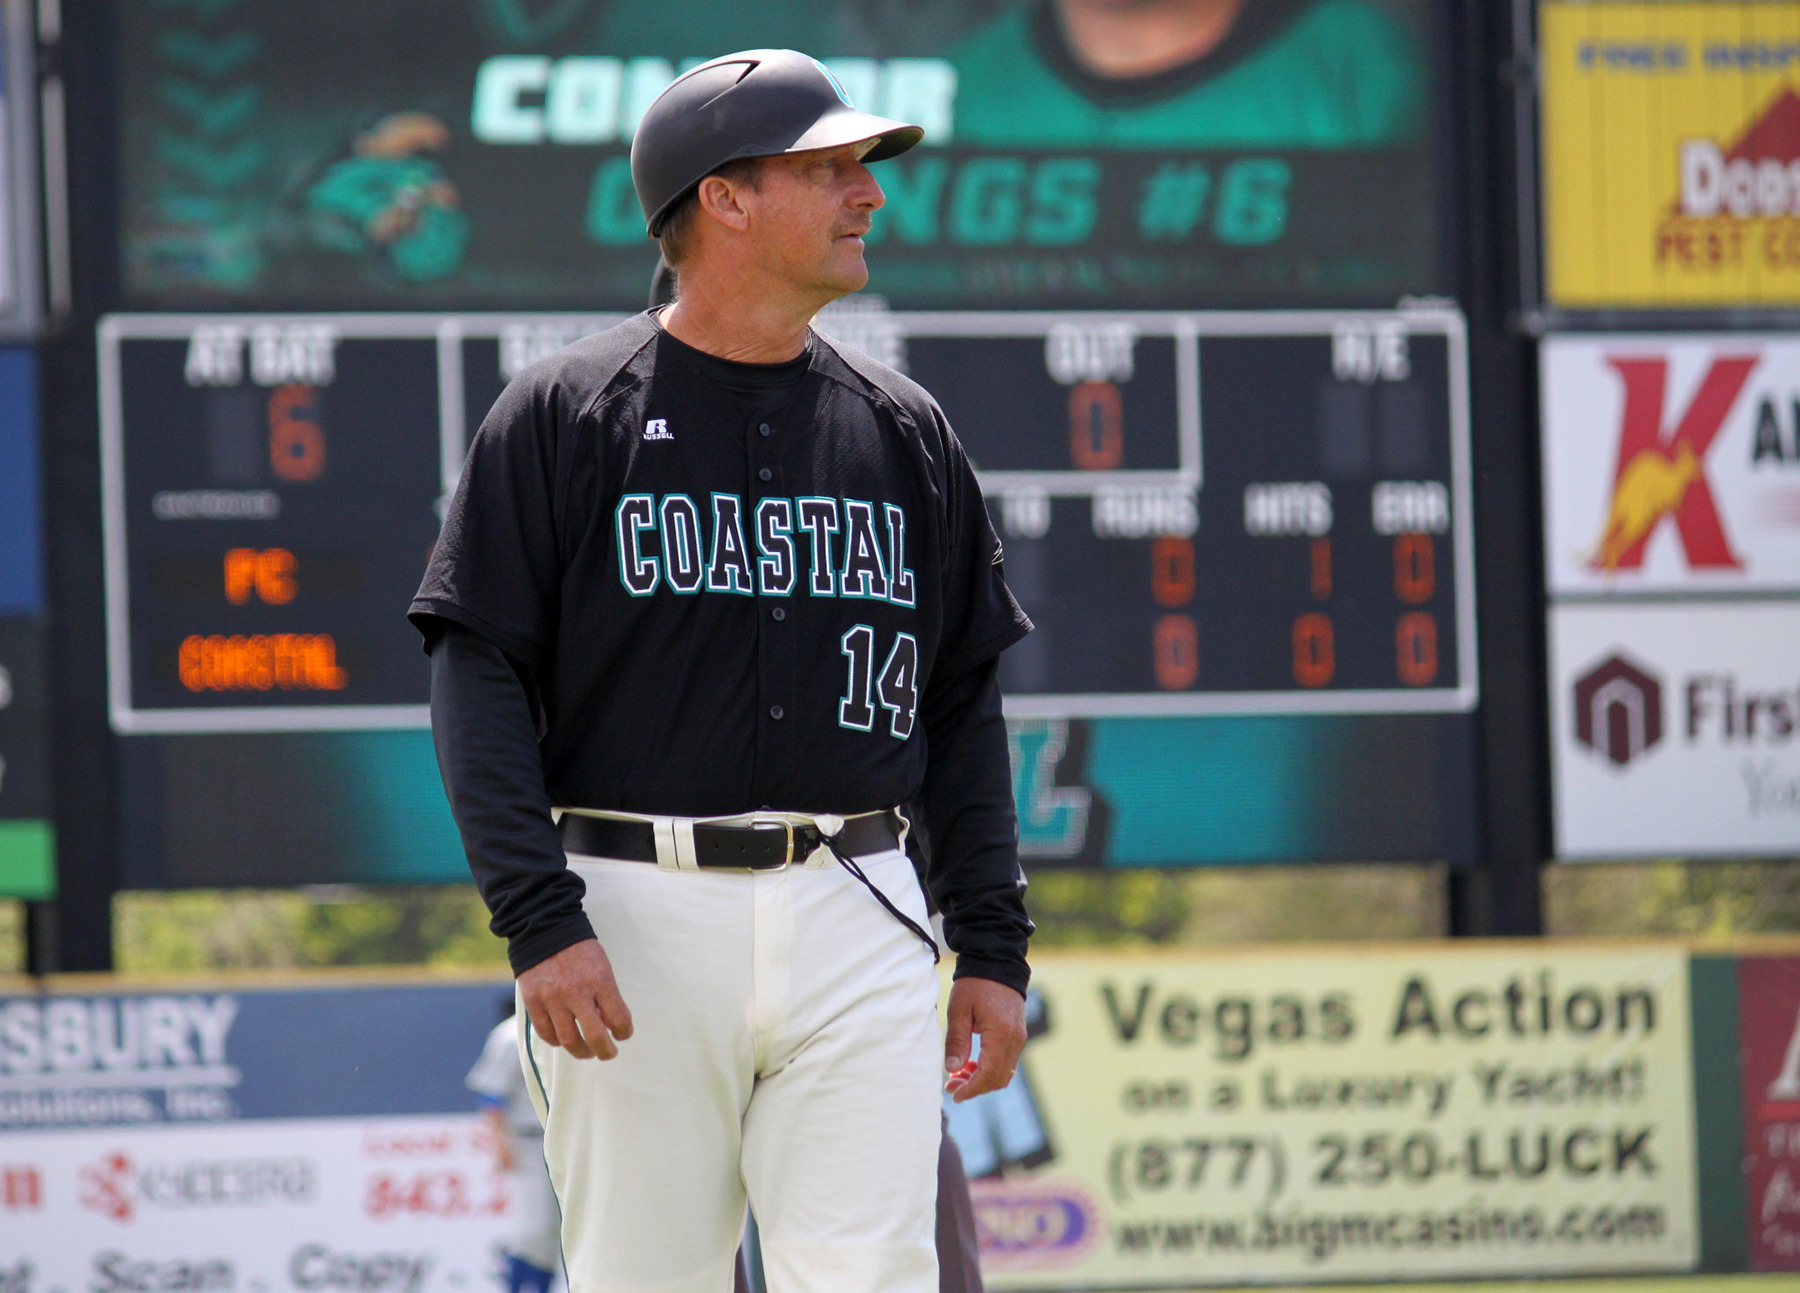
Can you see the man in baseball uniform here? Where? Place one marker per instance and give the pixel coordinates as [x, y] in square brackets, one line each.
[712, 599]
[498, 1082]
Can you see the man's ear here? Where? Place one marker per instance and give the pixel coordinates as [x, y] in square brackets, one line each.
[719, 198]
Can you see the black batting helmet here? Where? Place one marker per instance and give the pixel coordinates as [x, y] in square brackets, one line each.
[755, 104]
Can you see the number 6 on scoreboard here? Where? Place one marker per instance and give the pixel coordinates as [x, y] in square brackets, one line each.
[296, 441]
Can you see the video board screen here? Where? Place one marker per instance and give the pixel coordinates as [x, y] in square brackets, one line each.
[1250, 647]
[472, 154]
[1160, 286]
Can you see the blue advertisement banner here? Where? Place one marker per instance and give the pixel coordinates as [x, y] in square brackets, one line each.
[21, 544]
[223, 1056]
[27, 852]
[212, 1138]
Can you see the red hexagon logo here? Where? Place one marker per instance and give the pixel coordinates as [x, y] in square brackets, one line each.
[1618, 709]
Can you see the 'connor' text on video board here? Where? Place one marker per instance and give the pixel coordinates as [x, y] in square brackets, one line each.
[473, 153]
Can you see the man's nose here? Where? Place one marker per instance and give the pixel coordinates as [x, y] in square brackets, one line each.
[865, 193]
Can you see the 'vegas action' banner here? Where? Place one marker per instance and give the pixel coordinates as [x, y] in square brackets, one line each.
[1273, 1116]
[313, 1141]
[1671, 462]
[474, 152]
[1675, 729]
[1671, 153]
[1286, 1117]
[1769, 1023]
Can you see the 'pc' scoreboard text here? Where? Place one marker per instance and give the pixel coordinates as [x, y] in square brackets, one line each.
[1202, 513]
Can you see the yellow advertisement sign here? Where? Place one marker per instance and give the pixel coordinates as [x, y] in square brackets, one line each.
[1671, 153]
[1295, 1117]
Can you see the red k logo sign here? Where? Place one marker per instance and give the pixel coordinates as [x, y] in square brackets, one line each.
[1663, 474]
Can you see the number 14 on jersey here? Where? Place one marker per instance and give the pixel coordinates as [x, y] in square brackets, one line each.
[896, 687]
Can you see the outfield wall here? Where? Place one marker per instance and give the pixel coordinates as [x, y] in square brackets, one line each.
[1253, 1115]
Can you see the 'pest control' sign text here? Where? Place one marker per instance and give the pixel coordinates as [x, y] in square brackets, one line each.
[1671, 153]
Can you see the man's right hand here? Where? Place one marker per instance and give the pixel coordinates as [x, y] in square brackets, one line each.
[574, 1002]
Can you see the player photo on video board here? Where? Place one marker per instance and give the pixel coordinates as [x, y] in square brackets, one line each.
[474, 153]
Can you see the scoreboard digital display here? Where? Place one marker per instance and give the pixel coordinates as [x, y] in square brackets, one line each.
[1203, 513]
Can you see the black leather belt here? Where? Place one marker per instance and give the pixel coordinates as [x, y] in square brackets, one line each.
[767, 847]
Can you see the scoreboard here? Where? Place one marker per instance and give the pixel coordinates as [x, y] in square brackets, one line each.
[1203, 513]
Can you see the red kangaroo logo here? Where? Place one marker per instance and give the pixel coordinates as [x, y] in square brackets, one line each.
[1660, 475]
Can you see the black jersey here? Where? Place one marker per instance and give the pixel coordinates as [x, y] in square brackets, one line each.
[722, 615]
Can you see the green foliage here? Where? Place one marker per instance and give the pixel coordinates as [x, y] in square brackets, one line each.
[205, 929]
[1235, 905]
[1107, 908]
[200, 930]
[284, 928]
[1709, 899]
[12, 937]
[428, 926]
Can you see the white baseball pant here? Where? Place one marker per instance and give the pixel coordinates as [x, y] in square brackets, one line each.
[786, 1049]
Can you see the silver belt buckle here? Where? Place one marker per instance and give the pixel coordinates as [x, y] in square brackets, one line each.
[762, 821]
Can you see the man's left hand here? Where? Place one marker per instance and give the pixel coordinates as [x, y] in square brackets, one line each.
[997, 1013]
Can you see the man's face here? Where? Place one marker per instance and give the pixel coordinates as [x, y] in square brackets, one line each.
[809, 215]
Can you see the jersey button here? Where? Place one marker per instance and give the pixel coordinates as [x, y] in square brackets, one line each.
[765, 474]
[778, 613]
[776, 711]
[765, 429]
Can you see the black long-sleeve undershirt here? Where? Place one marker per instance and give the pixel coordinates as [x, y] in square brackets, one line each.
[485, 730]
[484, 724]
[973, 874]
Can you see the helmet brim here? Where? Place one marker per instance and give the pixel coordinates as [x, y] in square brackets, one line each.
[851, 126]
